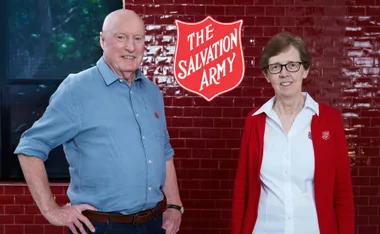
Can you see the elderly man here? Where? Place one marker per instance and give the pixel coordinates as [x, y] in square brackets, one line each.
[110, 119]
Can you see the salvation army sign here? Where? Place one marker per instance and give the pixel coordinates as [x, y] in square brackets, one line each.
[208, 58]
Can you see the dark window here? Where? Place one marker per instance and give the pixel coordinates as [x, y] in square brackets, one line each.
[45, 41]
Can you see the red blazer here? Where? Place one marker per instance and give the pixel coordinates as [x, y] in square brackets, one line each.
[332, 179]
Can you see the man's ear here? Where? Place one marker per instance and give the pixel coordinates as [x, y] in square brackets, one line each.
[101, 40]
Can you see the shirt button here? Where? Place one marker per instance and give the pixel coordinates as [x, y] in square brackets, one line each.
[120, 80]
[150, 161]
[131, 92]
[143, 137]
[150, 188]
[137, 115]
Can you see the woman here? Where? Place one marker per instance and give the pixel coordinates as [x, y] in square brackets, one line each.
[293, 173]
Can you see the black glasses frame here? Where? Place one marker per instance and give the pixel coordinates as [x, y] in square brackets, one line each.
[283, 65]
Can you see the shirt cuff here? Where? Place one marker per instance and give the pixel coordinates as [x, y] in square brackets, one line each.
[31, 147]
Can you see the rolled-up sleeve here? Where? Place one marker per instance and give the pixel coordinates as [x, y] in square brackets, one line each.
[169, 152]
[59, 124]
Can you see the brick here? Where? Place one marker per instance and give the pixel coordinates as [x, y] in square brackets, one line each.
[154, 9]
[24, 199]
[17, 209]
[215, 10]
[275, 11]
[368, 210]
[356, 10]
[209, 164]
[192, 143]
[211, 133]
[7, 199]
[189, 163]
[14, 229]
[24, 219]
[189, 133]
[182, 122]
[265, 21]
[195, 10]
[215, 144]
[183, 1]
[361, 220]
[231, 112]
[201, 153]
[34, 229]
[6, 219]
[231, 134]
[206, 2]
[164, 1]
[373, 10]
[13, 190]
[32, 210]
[369, 191]
[49, 229]
[367, 229]
[203, 122]
[212, 112]
[39, 219]
[264, 2]
[304, 2]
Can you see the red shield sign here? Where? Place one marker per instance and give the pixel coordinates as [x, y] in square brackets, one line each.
[209, 57]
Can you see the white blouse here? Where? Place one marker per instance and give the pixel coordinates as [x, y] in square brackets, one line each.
[287, 204]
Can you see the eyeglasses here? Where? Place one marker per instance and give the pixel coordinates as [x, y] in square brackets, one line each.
[290, 67]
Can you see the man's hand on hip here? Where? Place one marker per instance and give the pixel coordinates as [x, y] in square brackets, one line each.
[171, 221]
[70, 216]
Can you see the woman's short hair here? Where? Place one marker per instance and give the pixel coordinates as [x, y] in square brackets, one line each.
[281, 42]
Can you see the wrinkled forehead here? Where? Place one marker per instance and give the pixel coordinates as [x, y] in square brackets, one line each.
[287, 55]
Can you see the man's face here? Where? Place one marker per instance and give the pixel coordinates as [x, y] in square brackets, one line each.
[123, 44]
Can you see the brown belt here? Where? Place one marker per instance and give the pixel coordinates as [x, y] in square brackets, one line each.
[135, 219]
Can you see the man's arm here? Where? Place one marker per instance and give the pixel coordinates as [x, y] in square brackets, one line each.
[171, 185]
[59, 123]
[172, 217]
[36, 177]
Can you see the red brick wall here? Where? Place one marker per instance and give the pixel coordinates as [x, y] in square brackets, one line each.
[343, 36]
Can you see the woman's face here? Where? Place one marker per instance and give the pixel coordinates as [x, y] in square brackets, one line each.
[286, 80]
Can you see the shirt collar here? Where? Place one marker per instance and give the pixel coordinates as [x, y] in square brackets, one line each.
[109, 76]
[309, 103]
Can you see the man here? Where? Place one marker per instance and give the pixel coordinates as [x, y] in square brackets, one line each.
[111, 122]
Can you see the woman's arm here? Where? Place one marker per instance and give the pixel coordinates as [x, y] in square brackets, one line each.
[343, 195]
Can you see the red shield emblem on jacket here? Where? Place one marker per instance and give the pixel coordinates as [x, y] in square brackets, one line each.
[209, 58]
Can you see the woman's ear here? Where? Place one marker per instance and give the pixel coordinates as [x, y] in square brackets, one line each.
[305, 73]
[266, 76]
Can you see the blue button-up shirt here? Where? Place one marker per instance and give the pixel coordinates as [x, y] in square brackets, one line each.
[114, 137]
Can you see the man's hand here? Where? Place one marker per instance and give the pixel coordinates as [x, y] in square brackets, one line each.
[171, 221]
[70, 216]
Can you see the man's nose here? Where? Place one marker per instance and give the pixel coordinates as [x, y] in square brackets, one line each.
[129, 45]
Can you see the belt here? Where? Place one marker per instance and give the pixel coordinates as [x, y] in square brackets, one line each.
[135, 219]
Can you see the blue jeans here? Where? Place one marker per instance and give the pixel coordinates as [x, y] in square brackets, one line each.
[153, 226]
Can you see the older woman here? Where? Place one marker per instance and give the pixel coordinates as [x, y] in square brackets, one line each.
[293, 174]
